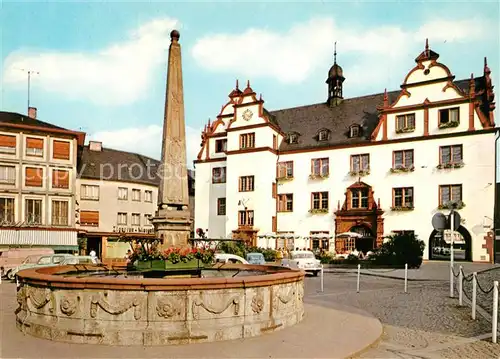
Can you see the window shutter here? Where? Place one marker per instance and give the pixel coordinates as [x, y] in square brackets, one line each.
[34, 143]
[7, 141]
[33, 177]
[60, 179]
[61, 150]
[274, 225]
[274, 190]
[89, 218]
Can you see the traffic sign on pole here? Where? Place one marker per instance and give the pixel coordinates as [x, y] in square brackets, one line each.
[439, 222]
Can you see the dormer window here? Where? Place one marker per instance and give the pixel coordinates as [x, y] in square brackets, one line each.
[323, 135]
[354, 131]
[293, 138]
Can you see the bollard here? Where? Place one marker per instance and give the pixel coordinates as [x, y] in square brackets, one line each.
[494, 322]
[451, 281]
[460, 283]
[322, 282]
[359, 274]
[474, 292]
[406, 277]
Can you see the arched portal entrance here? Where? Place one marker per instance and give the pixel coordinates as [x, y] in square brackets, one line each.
[440, 250]
[367, 241]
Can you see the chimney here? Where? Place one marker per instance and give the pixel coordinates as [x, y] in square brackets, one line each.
[32, 112]
[95, 146]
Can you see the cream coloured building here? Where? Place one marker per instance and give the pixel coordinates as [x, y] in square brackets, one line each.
[117, 193]
[38, 164]
[373, 165]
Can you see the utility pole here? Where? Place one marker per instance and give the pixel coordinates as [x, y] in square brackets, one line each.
[30, 72]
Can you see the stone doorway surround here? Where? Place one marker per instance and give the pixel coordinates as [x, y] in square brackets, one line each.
[369, 216]
[247, 234]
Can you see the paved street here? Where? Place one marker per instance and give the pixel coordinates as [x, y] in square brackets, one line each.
[423, 323]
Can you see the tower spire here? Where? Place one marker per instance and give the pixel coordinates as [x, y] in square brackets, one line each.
[335, 53]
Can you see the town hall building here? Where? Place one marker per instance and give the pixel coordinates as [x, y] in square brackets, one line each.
[369, 166]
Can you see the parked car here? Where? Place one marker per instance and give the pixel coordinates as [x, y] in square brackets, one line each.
[44, 261]
[229, 258]
[256, 258]
[304, 260]
[10, 258]
[73, 260]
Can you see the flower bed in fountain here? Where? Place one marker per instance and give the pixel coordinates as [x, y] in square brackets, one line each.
[150, 256]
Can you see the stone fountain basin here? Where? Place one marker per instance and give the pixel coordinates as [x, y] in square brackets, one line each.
[147, 311]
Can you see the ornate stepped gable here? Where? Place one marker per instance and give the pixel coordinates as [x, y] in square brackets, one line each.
[364, 111]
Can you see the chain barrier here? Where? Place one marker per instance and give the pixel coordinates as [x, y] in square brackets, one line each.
[485, 291]
[453, 271]
[381, 270]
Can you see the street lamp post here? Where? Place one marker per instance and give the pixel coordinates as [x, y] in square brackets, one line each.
[452, 227]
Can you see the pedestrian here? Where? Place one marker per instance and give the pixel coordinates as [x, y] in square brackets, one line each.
[128, 255]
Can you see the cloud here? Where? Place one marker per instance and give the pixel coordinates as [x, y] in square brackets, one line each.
[118, 74]
[146, 141]
[292, 56]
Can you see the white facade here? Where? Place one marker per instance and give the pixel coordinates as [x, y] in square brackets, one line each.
[427, 89]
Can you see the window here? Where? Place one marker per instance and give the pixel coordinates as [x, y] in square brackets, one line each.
[285, 202]
[136, 194]
[136, 219]
[219, 175]
[354, 131]
[323, 135]
[89, 192]
[275, 142]
[7, 144]
[60, 179]
[122, 218]
[6, 210]
[147, 219]
[320, 240]
[403, 159]
[148, 196]
[34, 147]
[60, 213]
[319, 200]
[405, 122]
[450, 193]
[245, 218]
[246, 184]
[449, 116]
[293, 138]
[247, 140]
[220, 145]
[33, 211]
[406, 232]
[285, 169]
[450, 155]
[360, 163]
[402, 197]
[320, 167]
[122, 193]
[7, 174]
[221, 206]
[61, 150]
[359, 198]
[33, 177]
[89, 218]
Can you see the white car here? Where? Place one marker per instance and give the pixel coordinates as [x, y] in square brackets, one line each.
[304, 260]
[229, 258]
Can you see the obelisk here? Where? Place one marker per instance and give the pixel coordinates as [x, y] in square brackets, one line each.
[172, 220]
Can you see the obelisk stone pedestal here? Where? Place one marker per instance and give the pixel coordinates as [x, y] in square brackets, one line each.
[172, 220]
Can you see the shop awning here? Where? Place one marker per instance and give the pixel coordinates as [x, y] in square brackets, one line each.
[38, 237]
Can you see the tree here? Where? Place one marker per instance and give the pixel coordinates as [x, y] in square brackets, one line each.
[400, 249]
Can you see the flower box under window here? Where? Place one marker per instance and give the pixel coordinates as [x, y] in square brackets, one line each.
[402, 208]
[364, 172]
[450, 124]
[457, 205]
[399, 169]
[318, 176]
[450, 165]
[318, 210]
[405, 130]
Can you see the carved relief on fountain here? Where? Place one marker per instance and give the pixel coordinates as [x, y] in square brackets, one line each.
[218, 305]
[115, 306]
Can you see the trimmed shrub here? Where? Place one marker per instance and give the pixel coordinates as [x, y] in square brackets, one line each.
[401, 248]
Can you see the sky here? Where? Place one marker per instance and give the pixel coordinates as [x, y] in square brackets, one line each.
[100, 67]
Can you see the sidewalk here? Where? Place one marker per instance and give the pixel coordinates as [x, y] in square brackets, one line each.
[429, 271]
[334, 332]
